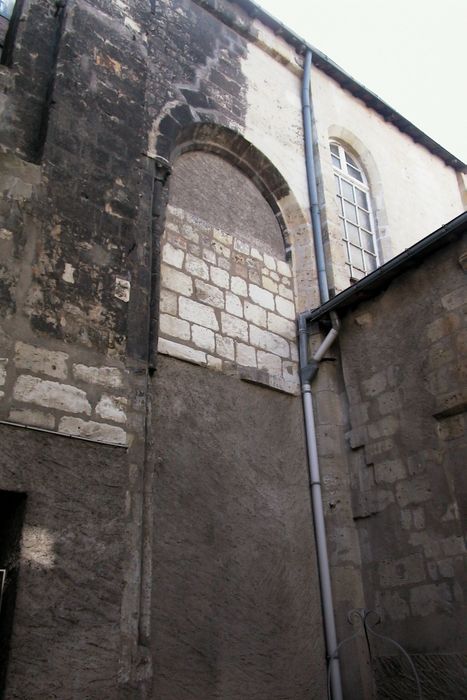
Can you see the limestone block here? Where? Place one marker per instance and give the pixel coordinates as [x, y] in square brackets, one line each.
[255, 314]
[69, 274]
[241, 247]
[398, 572]
[107, 376]
[223, 263]
[169, 302]
[270, 285]
[196, 267]
[261, 296]
[112, 408]
[122, 289]
[3, 364]
[209, 256]
[175, 327]
[203, 337]
[233, 304]
[220, 277]
[28, 416]
[222, 237]
[269, 341]
[182, 352]
[176, 281]
[389, 470]
[269, 261]
[245, 355]
[225, 347]
[275, 276]
[238, 286]
[197, 313]
[214, 363]
[272, 363]
[100, 432]
[209, 294]
[221, 249]
[172, 256]
[283, 268]
[384, 427]
[41, 360]
[413, 491]
[63, 397]
[285, 292]
[285, 307]
[282, 326]
[234, 327]
[254, 252]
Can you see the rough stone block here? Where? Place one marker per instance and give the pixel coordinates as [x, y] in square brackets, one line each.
[209, 294]
[222, 237]
[283, 268]
[112, 408]
[238, 286]
[214, 363]
[385, 427]
[176, 281]
[168, 302]
[261, 296]
[196, 267]
[198, 313]
[40, 361]
[181, 352]
[245, 355]
[375, 384]
[3, 366]
[203, 337]
[100, 432]
[255, 314]
[63, 397]
[209, 256]
[241, 247]
[285, 292]
[122, 289]
[398, 572]
[29, 416]
[413, 491]
[234, 327]
[233, 304]
[389, 471]
[272, 363]
[172, 256]
[285, 307]
[269, 261]
[106, 376]
[225, 347]
[269, 284]
[220, 277]
[281, 326]
[269, 341]
[175, 327]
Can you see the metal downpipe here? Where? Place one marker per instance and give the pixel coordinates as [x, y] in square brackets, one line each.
[307, 372]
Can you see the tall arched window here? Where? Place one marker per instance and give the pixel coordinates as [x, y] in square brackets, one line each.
[358, 227]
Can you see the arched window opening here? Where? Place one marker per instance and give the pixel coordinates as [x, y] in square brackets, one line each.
[355, 213]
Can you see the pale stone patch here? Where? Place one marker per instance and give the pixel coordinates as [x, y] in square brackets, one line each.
[100, 432]
[172, 256]
[269, 341]
[285, 307]
[233, 304]
[38, 546]
[255, 314]
[256, 254]
[169, 302]
[209, 255]
[261, 296]
[222, 237]
[285, 292]
[3, 364]
[175, 327]
[246, 355]
[223, 263]
[63, 397]
[5, 234]
[214, 363]
[29, 416]
[274, 276]
[268, 361]
[283, 268]
[269, 261]
[270, 285]
[190, 233]
[198, 313]
[282, 326]
[238, 286]
[112, 408]
[241, 247]
[203, 338]
[40, 360]
[107, 376]
[176, 281]
[221, 249]
[181, 352]
[220, 277]
[132, 25]
[69, 274]
[225, 347]
[122, 289]
[209, 294]
[196, 267]
[234, 327]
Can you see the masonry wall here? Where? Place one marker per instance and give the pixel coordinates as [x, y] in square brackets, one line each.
[404, 356]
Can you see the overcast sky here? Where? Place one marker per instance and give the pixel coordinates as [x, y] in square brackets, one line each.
[411, 53]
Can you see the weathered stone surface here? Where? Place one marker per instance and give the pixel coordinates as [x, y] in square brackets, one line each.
[63, 397]
[105, 376]
[198, 313]
[100, 432]
[41, 360]
[112, 408]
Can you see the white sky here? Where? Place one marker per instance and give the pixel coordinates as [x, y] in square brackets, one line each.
[411, 53]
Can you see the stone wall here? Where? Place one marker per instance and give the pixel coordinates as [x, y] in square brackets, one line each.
[403, 356]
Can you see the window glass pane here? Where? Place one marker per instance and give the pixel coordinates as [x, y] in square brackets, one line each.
[357, 274]
[6, 8]
[336, 161]
[356, 257]
[352, 233]
[350, 212]
[364, 219]
[337, 181]
[367, 241]
[362, 199]
[334, 148]
[339, 203]
[355, 172]
[347, 190]
[350, 160]
[370, 262]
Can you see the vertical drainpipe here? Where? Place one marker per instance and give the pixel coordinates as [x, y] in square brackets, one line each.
[307, 372]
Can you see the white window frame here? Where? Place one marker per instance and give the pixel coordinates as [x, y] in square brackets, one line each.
[355, 212]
